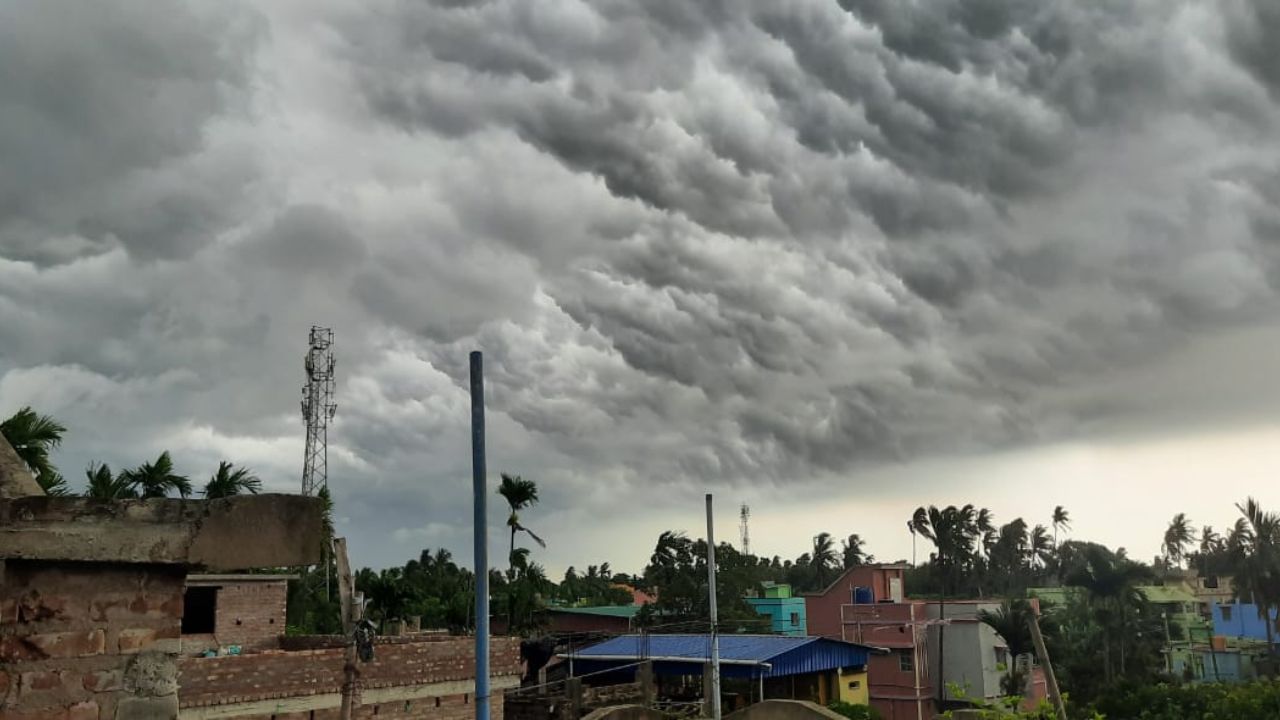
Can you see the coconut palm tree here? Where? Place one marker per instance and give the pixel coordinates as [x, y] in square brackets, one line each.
[231, 480]
[1177, 538]
[1255, 548]
[157, 479]
[823, 558]
[1061, 521]
[1039, 546]
[519, 494]
[33, 436]
[853, 553]
[105, 486]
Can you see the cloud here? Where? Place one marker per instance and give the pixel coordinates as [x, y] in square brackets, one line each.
[737, 244]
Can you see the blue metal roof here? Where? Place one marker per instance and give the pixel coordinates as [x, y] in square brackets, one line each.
[740, 655]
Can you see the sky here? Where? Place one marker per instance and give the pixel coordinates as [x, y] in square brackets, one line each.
[834, 260]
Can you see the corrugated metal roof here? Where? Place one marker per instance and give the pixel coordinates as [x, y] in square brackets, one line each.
[754, 655]
[1161, 594]
[619, 611]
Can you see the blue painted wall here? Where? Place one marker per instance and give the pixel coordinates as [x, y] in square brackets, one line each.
[1240, 620]
[1231, 666]
[779, 611]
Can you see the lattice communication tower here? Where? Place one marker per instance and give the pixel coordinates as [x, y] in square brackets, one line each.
[318, 409]
[746, 534]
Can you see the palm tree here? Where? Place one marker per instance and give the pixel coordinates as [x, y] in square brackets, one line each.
[105, 486]
[1011, 620]
[157, 479]
[53, 484]
[1111, 585]
[1039, 546]
[853, 553]
[519, 494]
[230, 480]
[1177, 538]
[1061, 521]
[32, 436]
[1255, 548]
[824, 557]
[952, 530]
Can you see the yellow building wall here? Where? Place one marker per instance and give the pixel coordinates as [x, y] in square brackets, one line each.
[857, 695]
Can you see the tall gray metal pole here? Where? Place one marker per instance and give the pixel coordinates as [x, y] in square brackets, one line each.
[715, 630]
[480, 532]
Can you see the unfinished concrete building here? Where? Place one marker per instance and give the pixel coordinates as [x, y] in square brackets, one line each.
[94, 596]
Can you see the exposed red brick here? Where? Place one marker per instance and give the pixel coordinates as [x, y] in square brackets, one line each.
[399, 662]
[14, 648]
[87, 710]
[35, 607]
[132, 640]
[80, 643]
[8, 611]
[102, 681]
[41, 680]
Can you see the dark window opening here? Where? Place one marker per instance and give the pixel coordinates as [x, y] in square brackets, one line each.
[1211, 582]
[906, 661]
[199, 610]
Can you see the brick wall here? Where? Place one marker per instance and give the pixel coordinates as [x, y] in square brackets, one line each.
[250, 614]
[79, 644]
[451, 707]
[398, 662]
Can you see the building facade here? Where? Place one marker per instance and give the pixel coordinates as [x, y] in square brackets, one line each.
[1243, 620]
[867, 605]
[786, 613]
[237, 613]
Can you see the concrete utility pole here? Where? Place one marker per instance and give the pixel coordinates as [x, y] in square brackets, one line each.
[715, 630]
[1050, 679]
[480, 530]
[351, 614]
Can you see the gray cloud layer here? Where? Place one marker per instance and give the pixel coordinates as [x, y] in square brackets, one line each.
[700, 242]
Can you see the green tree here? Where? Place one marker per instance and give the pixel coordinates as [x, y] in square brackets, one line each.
[103, 485]
[1177, 538]
[823, 558]
[230, 480]
[853, 552]
[1012, 620]
[33, 436]
[1121, 610]
[1255, 548]
[519, 494]
[1061, 521]
[953, 532]
[157, 479]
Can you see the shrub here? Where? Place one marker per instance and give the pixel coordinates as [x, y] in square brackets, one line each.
[855, 712]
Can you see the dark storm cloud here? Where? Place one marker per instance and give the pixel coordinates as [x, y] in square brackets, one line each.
[102, 123]
[926, 140]
[758, 241]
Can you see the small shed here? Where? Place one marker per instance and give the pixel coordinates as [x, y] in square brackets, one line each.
[806, 668]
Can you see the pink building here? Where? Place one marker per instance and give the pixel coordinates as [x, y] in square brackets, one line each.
[935, 647]
[867, 605]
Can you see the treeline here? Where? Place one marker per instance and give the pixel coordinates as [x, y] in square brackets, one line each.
[33, 436]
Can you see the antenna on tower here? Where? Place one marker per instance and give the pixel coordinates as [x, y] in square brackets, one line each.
[746, 534]
[317, 409]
